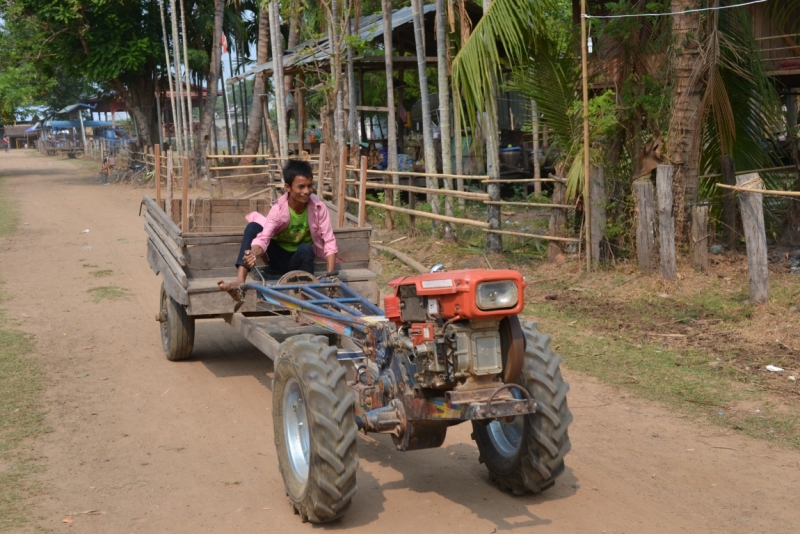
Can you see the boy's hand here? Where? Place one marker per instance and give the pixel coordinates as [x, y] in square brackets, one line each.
[251, 255]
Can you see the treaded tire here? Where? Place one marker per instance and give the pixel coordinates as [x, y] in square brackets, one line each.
[177, 329]
[543, 440]
[332, 457]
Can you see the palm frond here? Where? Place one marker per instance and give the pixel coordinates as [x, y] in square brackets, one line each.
[505, 34]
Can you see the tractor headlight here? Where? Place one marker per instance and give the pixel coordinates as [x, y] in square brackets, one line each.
[497, 295]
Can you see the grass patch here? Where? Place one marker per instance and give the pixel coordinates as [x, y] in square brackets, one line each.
[108, 293]
[102, 273]
[632, 343]
[21, 418]
[90, 266]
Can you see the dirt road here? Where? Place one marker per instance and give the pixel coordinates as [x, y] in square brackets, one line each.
[187, 447]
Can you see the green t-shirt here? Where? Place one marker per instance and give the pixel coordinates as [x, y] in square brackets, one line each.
[297, 233]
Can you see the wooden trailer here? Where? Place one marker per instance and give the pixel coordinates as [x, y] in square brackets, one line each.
[191, 263]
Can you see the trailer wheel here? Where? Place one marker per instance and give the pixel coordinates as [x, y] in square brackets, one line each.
[177, 328]
[315, 431]
[526, 455]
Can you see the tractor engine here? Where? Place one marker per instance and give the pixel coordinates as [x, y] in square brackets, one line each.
[449, 324]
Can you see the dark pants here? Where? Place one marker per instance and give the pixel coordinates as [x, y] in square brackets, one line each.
[280, 260]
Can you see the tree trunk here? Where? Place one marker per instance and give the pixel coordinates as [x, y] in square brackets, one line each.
[683, 149]
[253, 137]
[391, 120]
[427, 124]
[494, 242]
[213, 75]
[442, 51]
[139, 97]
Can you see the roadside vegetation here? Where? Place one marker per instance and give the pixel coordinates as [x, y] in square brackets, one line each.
[21, 416]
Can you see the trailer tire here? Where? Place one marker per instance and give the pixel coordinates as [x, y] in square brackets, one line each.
[527, 455]
[177, 328]
[315, 431]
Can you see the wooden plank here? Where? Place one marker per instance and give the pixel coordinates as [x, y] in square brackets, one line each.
[170, 261]
[729, 212]
[205, 257]
[171, 284]
[666, 221]
[153, 232]
[178, 242]
[206, 225]
[249, 328]
[755, 236]
[159, 215]
[645, 224]
[699, 244]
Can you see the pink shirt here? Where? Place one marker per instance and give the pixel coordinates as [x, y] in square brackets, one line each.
[276, 221]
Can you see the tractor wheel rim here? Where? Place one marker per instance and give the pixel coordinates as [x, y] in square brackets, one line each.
[507, 437]
[295, 429]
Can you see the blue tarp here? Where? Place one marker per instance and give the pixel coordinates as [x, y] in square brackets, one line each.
[75, 124]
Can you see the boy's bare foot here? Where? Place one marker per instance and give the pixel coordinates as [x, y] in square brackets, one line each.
[232, 288]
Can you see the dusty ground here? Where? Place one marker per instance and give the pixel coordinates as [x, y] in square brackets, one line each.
[187, 447]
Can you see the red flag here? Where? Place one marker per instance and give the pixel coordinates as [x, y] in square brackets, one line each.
[224, 44]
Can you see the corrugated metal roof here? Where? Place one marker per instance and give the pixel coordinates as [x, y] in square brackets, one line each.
[73, 107]
[319, 51]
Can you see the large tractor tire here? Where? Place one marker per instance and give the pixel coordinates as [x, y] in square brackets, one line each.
[177, 328]
[527, 454]
[315, 431]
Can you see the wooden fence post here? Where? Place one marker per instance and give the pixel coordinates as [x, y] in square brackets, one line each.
[755, 236]
[645, 224]
[168, 203]
[321, 172]
[666, 221]
[699, 241]
[157, 150]
[597, 194]
[340, 201]
[185, 206]
[729, 216]
[362, 194]
[558, 218]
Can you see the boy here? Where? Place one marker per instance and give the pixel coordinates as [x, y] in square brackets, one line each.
[295, 231]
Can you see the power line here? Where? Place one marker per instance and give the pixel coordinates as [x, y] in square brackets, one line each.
[671, 13]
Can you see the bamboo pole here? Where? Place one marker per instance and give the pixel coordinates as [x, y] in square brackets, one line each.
[587, 205]
[536, 236]
[522, 181]
[431, 174]
[168, 203]
[760, 191]
[527, 204]
[362, 194]
[185, 206]
[423, 214]
[422, 190]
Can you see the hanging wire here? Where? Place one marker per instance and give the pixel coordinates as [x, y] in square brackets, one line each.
[587, 16]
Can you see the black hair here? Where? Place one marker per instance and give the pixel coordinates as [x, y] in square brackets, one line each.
[297, 167]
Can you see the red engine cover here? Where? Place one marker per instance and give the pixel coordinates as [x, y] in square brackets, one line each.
[391, 307]
[456, 291]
